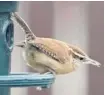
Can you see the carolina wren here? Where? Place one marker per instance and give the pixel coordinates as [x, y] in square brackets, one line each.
[46, 54]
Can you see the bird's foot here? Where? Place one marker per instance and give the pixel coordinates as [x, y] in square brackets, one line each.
[47, 73]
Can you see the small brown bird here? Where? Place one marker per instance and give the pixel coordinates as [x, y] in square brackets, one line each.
[46, 54]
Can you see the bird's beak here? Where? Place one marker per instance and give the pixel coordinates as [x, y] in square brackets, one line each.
[20, 44]
[93, 62]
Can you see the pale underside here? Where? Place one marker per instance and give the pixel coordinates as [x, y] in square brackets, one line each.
[43, 63]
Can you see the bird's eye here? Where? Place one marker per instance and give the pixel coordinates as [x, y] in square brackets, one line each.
[81, 58]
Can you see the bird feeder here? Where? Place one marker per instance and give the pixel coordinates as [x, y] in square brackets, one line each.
[8, 80]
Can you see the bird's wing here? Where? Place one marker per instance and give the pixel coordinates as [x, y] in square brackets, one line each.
[53, 48]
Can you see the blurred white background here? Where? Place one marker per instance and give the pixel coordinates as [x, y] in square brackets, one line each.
[78, 23]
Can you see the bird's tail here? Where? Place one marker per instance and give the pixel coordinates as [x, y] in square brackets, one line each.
[28, 33]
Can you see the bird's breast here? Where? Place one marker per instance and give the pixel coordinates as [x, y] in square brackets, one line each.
[39, 60]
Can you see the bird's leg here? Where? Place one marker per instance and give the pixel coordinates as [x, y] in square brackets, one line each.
[39, 88]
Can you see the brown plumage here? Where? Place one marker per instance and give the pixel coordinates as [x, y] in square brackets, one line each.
[46, 54]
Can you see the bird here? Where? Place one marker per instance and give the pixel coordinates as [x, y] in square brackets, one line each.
[50, 55]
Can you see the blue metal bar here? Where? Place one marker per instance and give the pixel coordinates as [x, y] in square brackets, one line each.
[26, 79]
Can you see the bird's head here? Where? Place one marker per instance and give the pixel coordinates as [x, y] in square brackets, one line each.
[84, 59]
